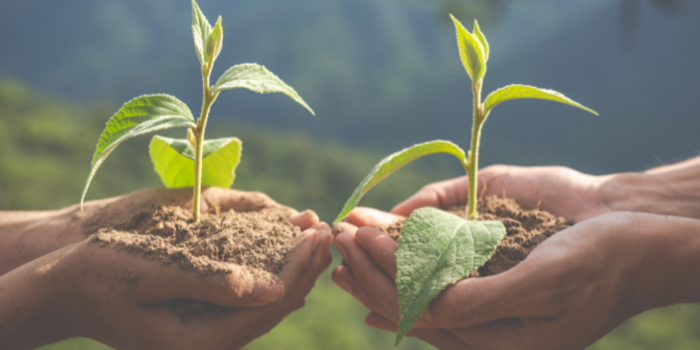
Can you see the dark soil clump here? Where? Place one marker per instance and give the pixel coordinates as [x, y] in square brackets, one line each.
[526, 228]
[256, 240]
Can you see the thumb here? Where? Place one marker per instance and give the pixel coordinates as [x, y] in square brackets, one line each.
[233, 286]
[443, 195]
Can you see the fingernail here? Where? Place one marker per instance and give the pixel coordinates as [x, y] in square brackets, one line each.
[343, 285]
[267, 293]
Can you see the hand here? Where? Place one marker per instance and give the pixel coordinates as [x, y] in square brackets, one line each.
[25, 236]
[569, 292]
[128, 301]
[558, 190]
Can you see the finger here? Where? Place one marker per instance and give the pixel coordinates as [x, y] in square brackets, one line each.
[300, 256]
[321, 226]
[344, 227]
[362, 216]
[343, 278]
[439, 338]
[381, 247]
[305, 220]
[368, 275]
[444, 194]
[475, 301]
[266, 319]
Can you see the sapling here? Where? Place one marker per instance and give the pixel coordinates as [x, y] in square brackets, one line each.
[436, 248]
[192, 161]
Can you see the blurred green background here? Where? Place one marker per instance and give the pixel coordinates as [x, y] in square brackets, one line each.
[381, 75]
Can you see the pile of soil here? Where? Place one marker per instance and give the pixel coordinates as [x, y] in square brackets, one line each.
[525, 229]
[257, 240]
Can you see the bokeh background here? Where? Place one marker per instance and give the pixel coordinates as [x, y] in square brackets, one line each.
[381, 75]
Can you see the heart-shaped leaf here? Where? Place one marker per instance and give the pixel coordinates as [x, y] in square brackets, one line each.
[256, 78]
[201, 30]
[512, 92]
[437, 249]
[394, 162]
[173, 160]
[139, 116]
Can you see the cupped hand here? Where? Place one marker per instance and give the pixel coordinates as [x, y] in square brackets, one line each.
[570, 291]
[29, 235]
[558, 190]
[128, 301]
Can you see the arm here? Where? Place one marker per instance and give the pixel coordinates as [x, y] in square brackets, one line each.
[128, 301]
[569, 292]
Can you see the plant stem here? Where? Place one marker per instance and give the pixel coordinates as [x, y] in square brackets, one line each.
[209, 99]
[479, 119]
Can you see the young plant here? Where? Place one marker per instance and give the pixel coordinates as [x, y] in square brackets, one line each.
[193, 161]
[436, 249]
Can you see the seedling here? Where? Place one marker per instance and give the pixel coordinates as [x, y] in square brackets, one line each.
[193, 161]
[436, 249]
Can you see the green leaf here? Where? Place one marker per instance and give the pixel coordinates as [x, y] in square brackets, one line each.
[214, 41]
[200, 29]
[482, 39]
[394, 162]
[139, 116]
[437, 249]
[471, 52]
[512, 92]
[258, 79]
[173, 160]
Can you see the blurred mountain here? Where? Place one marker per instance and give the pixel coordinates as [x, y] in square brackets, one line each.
[386, 74]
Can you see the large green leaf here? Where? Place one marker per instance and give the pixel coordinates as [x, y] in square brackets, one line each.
[201, 30]
[436, 249]
[257, 78]
[139, 116]
[512, 92]
[471, 52]
[173, 160]
[394, 162]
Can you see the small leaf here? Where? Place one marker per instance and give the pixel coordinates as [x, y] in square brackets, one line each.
[173, 160]
[139, 116]
[471, 52]
[513, 92]
[258, 79]
[482, 39]
[437, 249]
[214, 41]
[394, 162]
[200, 29]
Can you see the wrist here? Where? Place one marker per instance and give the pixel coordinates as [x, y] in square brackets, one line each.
[634, 192]
[26, 236]
[665, 253]
[663, 193]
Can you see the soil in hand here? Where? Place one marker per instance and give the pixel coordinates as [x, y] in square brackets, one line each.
[525, 229]
[256, 240]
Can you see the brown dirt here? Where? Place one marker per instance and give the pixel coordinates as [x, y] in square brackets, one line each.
[256, 240]
[525, 229]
